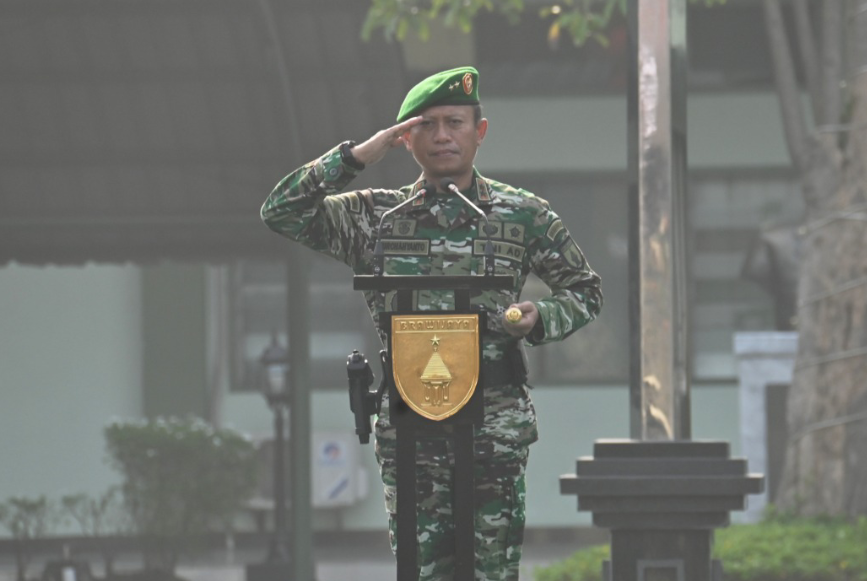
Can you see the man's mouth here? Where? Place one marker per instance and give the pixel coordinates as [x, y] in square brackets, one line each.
[444, 153]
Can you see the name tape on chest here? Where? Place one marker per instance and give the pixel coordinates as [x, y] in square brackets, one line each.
[501, 249]
[399, 247]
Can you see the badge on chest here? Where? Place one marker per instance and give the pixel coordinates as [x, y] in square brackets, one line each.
[435, 360]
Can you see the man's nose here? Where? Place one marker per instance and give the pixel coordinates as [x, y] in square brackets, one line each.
[441, 133]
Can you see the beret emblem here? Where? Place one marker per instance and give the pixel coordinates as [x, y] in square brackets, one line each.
[468, 83]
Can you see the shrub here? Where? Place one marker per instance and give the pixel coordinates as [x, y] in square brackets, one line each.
[99, 517]
[584, 565]
[777, 549]
[181, 478]
[794, 550]
[27, 519]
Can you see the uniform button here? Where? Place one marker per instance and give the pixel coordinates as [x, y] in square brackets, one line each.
[333, 172]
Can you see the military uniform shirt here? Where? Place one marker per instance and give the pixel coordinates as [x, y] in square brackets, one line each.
[440, 235]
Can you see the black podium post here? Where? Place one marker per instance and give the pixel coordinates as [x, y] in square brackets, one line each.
[410, 426]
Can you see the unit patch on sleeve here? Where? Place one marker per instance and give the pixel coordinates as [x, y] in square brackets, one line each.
[554, 229]
[572, 254]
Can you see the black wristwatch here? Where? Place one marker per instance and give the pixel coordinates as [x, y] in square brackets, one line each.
[347, 157]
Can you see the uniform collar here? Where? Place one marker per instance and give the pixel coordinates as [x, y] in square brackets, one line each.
[480, 193]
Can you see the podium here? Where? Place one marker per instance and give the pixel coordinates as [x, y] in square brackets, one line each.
[408, 416]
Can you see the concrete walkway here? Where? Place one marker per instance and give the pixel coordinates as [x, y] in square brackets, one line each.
[332, 567]
[357, 561]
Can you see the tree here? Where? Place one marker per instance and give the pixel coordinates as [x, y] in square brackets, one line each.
[581, 19]
[826, 457]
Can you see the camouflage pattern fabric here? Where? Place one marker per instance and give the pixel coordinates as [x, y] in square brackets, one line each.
[440, 235]
[501, 449]
[499, 519]
[508, 429]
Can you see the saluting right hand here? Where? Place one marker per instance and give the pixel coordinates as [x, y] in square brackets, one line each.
[375, 148]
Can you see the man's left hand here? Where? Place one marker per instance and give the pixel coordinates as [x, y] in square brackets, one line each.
[529, 316]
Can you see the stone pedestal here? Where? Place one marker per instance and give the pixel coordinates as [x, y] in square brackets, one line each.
[765, 359]
[661, 501]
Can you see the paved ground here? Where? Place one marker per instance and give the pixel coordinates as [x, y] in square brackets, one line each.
[352, 561]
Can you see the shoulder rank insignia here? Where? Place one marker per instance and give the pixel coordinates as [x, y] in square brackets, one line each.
[483, 190]
[415, 188]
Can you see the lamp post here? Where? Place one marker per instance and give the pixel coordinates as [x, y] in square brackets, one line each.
[274, 363]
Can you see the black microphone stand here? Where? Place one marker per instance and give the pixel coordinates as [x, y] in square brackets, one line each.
[378, 252]
[449, 185]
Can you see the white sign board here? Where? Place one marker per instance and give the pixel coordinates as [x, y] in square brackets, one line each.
[334, 462]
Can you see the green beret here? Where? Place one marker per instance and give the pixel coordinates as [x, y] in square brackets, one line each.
[454, 87]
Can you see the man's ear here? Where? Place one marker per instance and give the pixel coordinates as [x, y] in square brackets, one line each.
[406, 143]
[481, 130]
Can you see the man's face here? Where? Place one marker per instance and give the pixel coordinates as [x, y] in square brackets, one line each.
[445, 143]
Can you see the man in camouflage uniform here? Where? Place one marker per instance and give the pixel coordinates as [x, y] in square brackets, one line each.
[440, 124]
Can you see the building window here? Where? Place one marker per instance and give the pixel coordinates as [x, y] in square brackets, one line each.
[521, 59]
[727, 215]
[338, 320]
[595, 213]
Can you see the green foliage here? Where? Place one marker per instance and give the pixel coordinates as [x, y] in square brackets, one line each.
[98, 517]
[790, 549]
[780, 548]
[27, 519]
[181, 478]
[582, 20]
[397, 17]
[585, 565]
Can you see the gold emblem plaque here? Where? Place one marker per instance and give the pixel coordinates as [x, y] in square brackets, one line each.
[435, 359]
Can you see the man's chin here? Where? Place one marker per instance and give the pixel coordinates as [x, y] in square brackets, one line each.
[438, 176]
[440, 171]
